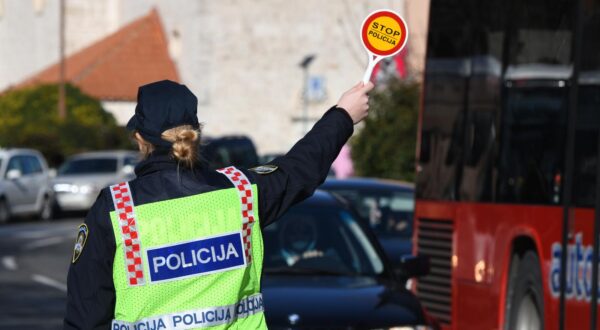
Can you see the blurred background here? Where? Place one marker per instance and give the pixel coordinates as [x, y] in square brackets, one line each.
[263, 71]
[266, 70]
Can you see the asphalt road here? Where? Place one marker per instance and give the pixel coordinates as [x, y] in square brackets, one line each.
[34, 259]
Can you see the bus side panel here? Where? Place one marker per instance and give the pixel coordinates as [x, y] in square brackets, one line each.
[579, 270]
[486, 234]
[482, 247]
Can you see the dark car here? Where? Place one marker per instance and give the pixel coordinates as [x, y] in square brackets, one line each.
[387, 205]
[228, 150]
[323, 269]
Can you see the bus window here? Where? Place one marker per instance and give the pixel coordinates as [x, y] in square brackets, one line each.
[588, 114]
[483, 101]
[541, 33]
[532, 157]
[444, 103]
[535, 102]
[586, 145]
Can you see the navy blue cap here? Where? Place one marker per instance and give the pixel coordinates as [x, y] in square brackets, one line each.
[160, 106]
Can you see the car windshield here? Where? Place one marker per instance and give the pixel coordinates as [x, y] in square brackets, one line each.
[88, 166]
[323, 240]
[389, 212]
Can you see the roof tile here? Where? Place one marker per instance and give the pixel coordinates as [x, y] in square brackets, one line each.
[114, 67]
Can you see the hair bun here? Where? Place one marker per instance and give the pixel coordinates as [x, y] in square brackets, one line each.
[186, 136]
[185, 141]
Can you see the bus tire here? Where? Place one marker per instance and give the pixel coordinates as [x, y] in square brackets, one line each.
[525, 307]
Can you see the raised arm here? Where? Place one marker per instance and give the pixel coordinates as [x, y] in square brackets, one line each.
[306, 165]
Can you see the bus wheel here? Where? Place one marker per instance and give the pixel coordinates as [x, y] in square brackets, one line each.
[527, 304]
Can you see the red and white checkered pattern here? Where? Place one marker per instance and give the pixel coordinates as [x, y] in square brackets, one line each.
[124, 207]
[244, 189]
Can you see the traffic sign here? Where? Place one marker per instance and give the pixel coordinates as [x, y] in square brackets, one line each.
[383, 34]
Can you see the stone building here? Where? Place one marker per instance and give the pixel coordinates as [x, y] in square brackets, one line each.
[240, 58]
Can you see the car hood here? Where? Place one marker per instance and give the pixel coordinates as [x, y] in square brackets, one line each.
[332, 302]
[99, 181]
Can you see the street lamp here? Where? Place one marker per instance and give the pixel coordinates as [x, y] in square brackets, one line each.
[308, 59]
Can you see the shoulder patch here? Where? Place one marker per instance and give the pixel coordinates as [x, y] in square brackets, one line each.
[82, 235]
[264, 169]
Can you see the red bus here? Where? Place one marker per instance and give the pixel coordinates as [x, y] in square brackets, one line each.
[508, 164]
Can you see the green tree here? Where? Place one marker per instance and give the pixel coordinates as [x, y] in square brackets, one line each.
[29, 119]
[385, 146]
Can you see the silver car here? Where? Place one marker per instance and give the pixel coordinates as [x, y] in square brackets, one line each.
[81, 177]
[24, 184]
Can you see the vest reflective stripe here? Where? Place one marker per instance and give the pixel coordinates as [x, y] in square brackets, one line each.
[199, 318]
[244, 189]
[121, 195]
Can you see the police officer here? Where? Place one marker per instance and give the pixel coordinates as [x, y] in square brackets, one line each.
[180, 247]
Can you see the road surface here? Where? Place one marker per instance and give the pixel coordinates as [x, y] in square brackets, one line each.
[34, 259]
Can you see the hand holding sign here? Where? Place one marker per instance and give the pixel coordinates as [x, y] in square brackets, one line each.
[383, 34]
[356, 102]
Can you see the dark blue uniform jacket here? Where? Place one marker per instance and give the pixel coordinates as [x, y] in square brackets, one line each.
[91, 293]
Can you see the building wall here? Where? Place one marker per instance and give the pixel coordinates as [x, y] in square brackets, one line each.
[29, 38]
[121, 110]
[240, 58]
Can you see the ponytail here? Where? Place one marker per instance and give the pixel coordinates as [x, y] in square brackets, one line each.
[186, 141]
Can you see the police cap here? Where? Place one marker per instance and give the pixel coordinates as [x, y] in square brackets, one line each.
[160, 106]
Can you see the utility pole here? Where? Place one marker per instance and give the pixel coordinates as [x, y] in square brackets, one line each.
[304, 65]
[62, 111]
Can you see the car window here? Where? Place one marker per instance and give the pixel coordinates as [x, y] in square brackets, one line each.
[131, 161]
[15, 163]
[324, 240]
[31, 165]
[388, 212]
[224, 152]
[26, 165]
[88, 166]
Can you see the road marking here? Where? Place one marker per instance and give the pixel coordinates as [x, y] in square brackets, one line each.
[32, 234]
[10, 263]
[49, 282]
[39, 230]
[43, 243]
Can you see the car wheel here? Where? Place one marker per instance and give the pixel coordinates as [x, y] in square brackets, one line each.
[47, 211]
[4, 211]
[526, 296]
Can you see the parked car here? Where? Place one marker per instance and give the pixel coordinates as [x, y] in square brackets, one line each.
[323, 269]
[24, 184]
[229, 150]
[387, 205]
[81, 177]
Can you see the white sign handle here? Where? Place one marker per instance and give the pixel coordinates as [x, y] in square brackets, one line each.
[373, 60]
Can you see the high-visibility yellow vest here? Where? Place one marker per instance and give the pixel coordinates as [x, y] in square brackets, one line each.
[190, 262]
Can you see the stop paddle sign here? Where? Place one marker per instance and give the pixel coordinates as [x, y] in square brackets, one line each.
[383, 34]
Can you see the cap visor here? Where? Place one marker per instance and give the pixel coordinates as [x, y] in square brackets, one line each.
[133, 123]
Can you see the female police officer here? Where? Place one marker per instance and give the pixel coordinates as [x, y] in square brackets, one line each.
[180, 247]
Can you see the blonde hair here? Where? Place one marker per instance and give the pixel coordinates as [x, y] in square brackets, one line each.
[185, 139]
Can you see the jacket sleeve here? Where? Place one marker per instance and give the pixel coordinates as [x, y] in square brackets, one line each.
[90, 289]
[304, 167]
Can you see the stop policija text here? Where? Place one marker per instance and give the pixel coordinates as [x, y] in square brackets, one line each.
[384, 33]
